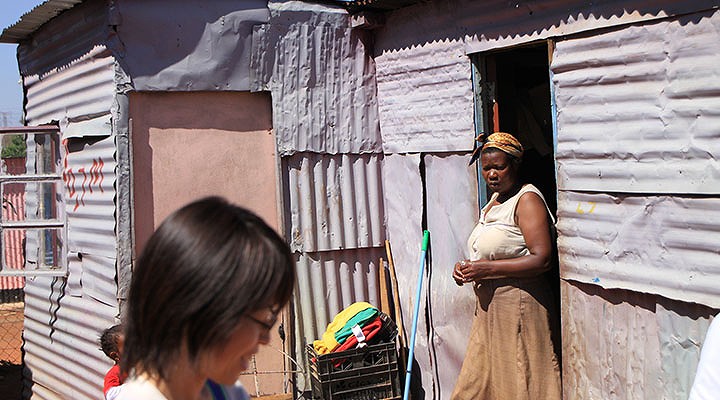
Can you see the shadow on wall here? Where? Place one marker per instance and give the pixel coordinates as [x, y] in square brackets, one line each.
[649, 302]
[460, 20]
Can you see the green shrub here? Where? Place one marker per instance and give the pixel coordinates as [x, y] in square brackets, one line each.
[14, 147]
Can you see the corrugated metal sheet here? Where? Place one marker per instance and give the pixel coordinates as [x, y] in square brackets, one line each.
[638, 108]
[425, 95]
[210, 41]
[83, 91]
[330, 281]
[623, 345]
[452, 211]
[322, 79]
[69, 78]
[89, 173]
[496, 24]
[70, 36]
[404, 210]
[34, 19]
[355, 5]
[667, 245]
[61, 341]
[334, 201]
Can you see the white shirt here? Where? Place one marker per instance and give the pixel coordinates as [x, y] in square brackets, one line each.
[707, 377]
[142, 389]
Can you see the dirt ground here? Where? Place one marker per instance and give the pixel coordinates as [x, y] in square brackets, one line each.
[11, 325]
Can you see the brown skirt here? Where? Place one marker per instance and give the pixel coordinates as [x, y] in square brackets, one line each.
[510, 353]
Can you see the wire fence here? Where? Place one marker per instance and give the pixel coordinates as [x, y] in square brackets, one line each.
[11, 326]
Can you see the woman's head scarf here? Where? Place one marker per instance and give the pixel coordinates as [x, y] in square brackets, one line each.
[499, 140]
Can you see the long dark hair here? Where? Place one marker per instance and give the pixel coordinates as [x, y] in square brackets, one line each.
[207, 265]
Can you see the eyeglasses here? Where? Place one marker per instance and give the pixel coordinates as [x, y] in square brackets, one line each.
[267, 325]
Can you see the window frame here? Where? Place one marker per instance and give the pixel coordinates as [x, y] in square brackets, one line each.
[58, 223]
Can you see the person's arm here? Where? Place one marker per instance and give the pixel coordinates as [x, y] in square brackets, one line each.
[531, 217]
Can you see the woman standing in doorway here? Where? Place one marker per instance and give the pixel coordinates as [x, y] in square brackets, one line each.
[204, 295]
[510, 352]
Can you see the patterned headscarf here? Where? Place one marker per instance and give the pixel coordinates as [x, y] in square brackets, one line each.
[505, 142]
[499, 140]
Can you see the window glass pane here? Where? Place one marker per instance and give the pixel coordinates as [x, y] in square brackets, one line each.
[13, 249]
[45, 153]
[31, 201]
[32, 248]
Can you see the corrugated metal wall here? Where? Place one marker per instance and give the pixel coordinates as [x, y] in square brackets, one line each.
[211, 43]
[637, 166]
[71, 93]
[619, 344]
[70, 78]
[424, 94]
[325, 211]
[321, 78]
[500, 24]
[638, 119]
[608, 87]
[425, 98]
[323, 82]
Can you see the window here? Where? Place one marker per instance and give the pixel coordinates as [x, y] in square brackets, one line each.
[33, 223]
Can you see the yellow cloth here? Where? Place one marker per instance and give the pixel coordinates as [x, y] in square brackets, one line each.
[328, 343]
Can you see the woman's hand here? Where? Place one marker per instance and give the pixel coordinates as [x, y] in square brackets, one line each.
[467, 271]
[457, 274]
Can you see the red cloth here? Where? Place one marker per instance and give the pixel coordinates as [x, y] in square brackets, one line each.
[112, 378]
[368, 330]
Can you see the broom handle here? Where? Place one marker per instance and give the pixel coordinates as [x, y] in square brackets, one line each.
[411, 346]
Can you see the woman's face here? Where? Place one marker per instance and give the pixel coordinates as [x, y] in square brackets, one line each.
[499, 171]
[226, 361]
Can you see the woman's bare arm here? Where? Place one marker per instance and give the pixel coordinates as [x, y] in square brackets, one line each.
[531, 216]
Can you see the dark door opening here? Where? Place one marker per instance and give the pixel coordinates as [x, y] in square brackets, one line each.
[513, 89]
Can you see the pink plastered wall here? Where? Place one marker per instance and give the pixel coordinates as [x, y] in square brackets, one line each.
[187, 145]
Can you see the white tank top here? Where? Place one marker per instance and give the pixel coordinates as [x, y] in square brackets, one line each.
[497, 236]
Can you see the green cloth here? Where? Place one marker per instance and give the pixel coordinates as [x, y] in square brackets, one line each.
[328, 342]
[362, 318]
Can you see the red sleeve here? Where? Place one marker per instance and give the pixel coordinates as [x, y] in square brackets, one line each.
[112, 378]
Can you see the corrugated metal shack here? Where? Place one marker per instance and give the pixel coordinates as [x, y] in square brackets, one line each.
[365, 136]
[152, 113]
[632, 91]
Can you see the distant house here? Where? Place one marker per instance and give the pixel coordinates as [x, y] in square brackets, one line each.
[348, 123]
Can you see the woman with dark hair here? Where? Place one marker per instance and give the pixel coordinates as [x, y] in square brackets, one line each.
[510, 353]
[204, 295]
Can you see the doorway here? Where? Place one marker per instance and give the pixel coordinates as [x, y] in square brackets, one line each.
[512, 94]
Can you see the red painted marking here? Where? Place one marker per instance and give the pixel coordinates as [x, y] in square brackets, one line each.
[85, 178]
[101, 164]
[95, 177]
[71, 183]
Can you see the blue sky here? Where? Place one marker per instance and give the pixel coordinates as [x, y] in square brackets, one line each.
[10, 89]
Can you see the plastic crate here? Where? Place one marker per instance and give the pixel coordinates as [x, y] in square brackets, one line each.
[368, 373]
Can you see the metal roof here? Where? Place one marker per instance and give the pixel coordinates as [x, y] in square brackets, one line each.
[34, 19]
[358, 5]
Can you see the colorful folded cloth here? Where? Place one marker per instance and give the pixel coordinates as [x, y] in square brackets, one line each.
[369, 331]
[328, 342]
[362, 318]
